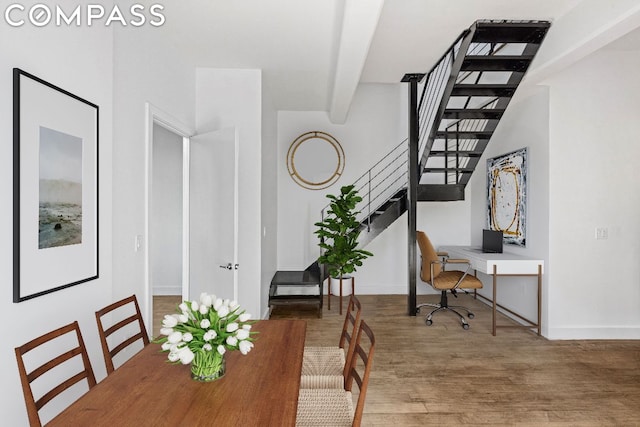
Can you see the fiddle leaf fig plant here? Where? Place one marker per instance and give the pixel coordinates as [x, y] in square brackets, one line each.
[338, 233]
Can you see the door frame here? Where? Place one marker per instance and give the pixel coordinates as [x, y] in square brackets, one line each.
[154, 115]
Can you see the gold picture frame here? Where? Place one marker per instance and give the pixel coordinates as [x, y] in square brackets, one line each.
[315, 160]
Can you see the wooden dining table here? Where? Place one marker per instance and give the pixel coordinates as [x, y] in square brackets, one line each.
[258, 389]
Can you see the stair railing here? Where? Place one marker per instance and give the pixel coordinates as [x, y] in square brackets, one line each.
[389, 175]
[432, 90]
[468, 125]
[380, 183]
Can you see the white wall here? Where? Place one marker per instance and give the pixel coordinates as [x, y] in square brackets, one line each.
[78, 60]
[145, 71]
[594, 287]
[269, 193]
[233, 98]
[525, 124]
[374, 126]
[165, 249]
[376, 123]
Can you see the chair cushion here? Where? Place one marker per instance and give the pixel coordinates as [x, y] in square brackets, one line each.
[448, 279]
[324, 408]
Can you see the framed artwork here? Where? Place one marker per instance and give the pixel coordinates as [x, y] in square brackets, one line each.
[55, 188]
[507, 196]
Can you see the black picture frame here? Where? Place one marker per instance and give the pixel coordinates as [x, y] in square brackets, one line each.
[55, 188]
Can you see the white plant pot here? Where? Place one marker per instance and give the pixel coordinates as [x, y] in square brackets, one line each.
[346, 285]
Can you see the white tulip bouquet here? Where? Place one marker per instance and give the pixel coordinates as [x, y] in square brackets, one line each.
[203, 331]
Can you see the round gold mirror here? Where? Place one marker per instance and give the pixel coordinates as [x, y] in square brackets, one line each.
[315, 160]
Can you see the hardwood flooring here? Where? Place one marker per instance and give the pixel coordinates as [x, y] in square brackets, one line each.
[444, 375]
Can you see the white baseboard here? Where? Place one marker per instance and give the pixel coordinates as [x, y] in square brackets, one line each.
[595, 333]
[167, 290]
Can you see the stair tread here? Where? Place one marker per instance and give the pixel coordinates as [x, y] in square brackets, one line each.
[473, 113]
[510, 32]
[449, 169]
[496, 62]
[470, 153]
[464, 134]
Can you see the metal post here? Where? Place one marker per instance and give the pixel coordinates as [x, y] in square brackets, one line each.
[369, 203]
[412, 188]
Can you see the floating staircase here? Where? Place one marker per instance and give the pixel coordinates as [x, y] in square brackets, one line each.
[461, 101]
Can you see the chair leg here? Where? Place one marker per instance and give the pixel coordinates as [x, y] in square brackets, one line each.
[444, 306]
[470, 314]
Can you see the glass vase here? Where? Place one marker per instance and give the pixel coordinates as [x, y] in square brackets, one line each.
[208, 366]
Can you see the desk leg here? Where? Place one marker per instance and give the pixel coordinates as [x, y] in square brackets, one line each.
[495, 299]
[539, 299]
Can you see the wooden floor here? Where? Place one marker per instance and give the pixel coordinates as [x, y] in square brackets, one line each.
[444, 375]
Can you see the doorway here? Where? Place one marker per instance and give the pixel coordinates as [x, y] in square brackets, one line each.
[166, 239]
[191, 216]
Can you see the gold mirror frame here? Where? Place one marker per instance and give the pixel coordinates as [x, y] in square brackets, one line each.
[295, 173]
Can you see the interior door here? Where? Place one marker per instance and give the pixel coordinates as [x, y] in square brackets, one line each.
[213, 205]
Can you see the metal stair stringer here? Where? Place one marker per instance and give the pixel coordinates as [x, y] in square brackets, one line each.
[491, 60]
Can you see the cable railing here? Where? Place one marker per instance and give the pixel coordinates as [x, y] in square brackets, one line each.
[427, 114]
[380, 183]
[432, 92]
[390, 174]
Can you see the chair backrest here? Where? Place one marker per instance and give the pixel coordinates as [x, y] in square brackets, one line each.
[429, 255]
[26, 378]
[350, 329]
[361, 360]
[119, 343]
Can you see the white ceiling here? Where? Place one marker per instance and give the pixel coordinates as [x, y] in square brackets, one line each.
[299, 44]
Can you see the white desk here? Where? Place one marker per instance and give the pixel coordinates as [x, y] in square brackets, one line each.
[504, 264]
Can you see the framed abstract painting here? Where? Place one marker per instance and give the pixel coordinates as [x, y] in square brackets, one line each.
[55, 188]
[507, 196]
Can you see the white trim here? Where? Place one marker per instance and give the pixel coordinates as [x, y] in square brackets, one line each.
[594, 333]
[154, 115]
[186, 225]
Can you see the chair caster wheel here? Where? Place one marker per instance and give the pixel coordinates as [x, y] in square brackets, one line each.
[417, 310]
[465, 326]
[429, 322]
[471, 315]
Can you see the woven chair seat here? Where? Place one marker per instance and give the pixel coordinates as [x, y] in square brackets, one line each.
[324, 408]
[323, 361]
[322, 367]
[322, 381]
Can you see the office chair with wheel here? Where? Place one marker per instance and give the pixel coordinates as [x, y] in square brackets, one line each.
[433, 272]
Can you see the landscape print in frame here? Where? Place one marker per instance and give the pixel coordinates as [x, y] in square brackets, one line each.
[507, 196]
[55, 180]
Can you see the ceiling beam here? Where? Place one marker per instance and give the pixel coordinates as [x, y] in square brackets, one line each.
[591, 25]
[358, 27]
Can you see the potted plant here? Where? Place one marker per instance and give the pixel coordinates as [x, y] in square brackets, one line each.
[338, 233]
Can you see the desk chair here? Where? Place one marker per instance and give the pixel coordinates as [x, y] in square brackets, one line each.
[326, 367]
[70, 350]
[432, 271]
[334, 407]
[128, 311]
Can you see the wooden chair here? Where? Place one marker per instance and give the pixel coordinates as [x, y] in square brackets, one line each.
[433, 272]
[128, 307]
[326, 367]
[334, 407]
[26, 378]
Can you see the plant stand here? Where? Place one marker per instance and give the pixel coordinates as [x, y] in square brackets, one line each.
[342, 282]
